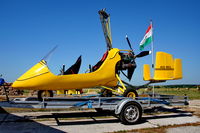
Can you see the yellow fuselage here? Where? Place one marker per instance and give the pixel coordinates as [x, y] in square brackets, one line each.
[39, 77]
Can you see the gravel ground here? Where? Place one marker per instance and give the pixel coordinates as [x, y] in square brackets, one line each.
[194, 103]
[10, 123]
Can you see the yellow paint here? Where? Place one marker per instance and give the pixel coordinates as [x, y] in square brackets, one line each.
[178, 74]
[166, 68]
[60, 92]
[131, 94]
[39, 76]
[120, 81]
[70, 92]
[146, 72]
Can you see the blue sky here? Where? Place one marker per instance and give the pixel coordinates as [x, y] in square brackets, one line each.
[31, 28]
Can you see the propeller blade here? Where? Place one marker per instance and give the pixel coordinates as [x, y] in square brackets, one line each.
[130, 72]
[143, 53]
[129, 43]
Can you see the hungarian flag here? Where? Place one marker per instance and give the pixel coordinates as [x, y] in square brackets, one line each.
[148, 37]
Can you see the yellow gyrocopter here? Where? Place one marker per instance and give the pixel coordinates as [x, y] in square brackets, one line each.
[105, 74]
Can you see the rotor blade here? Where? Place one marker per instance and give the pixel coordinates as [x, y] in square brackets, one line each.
[105, 21]
[103, 13]
[143, 53]
[129, 43]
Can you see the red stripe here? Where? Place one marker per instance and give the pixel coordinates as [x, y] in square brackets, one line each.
[104, 56]
[149, 28]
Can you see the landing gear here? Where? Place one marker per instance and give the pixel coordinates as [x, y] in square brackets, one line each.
[44, 93]
[130, 92]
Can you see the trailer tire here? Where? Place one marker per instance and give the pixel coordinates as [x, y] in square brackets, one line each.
[131, 113]
[130, 92]
[44, 93]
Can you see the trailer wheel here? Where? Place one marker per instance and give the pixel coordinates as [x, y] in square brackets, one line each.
[44, 93]
[129, 92]
[131, 113]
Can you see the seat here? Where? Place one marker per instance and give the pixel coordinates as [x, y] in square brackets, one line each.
[74, 69]
[97, 66]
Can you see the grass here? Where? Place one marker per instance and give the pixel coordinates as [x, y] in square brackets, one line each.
[192, 93]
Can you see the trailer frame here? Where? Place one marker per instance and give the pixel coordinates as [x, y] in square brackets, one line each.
[128, 110]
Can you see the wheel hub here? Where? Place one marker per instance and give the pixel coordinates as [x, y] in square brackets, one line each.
[131, 94]
[45, 94]
[131, 113]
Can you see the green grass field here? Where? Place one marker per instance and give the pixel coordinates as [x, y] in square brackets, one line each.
[192, 93]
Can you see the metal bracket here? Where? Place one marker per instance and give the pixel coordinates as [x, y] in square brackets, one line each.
[120, 81]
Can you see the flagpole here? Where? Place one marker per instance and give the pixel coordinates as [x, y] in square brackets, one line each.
[152, 46]
[152, 49]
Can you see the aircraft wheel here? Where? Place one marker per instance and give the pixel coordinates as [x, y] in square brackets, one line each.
[44, 93]
[129, 92]
[131, 113]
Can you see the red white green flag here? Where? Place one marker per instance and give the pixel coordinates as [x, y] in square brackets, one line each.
[148, 37]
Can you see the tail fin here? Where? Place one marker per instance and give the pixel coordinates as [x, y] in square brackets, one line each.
[166, 68]
[178, 74]
[146, 72]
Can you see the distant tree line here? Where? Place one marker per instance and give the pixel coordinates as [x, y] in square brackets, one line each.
[178, 86]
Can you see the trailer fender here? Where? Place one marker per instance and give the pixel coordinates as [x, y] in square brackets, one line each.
[124, 102]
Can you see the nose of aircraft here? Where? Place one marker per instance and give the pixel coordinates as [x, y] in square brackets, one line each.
[27, 79]
[17, 84]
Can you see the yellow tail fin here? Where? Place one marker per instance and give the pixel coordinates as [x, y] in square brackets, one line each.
[178, 74]
[146, 72]
[166, 68]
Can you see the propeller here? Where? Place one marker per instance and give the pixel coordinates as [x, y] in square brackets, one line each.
[129, 44]
[143, 53]
[132, 64]
[131, 70]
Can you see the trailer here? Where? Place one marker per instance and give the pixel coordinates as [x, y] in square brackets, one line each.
[128, 110]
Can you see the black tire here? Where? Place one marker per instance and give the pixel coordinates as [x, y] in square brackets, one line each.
[44, 93]
[106, 93]
[130, 92]
[131, 113]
